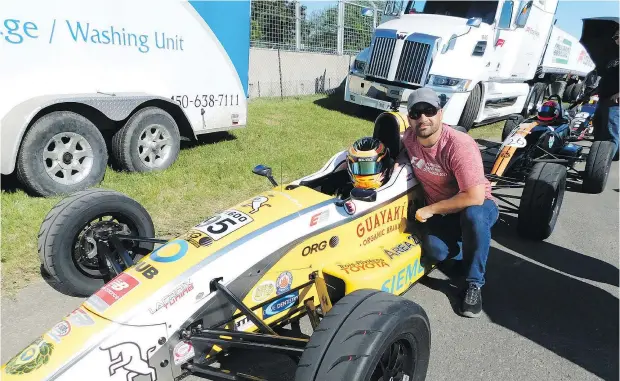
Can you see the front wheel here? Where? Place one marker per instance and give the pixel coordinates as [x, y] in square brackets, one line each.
[368, 335]
[598, 165]
[541, 200]
[67, 246]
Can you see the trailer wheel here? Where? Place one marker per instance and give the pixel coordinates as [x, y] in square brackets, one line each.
[149, 141]
[472, 106]
[66, 246]
[62, 153]
[541, 200]
[368, 335]
[511, 123]
[598, 165]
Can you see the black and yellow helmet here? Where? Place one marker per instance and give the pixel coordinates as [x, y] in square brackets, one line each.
[368, 163]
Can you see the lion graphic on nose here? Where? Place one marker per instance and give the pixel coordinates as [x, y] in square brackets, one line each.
[127, 356]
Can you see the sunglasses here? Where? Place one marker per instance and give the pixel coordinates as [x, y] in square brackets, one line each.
[428, 112]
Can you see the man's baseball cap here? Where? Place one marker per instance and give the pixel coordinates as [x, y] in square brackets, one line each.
[423, 94]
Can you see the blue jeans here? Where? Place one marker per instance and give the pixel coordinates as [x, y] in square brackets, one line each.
[606, 121]
[612, 125]
[465, 235]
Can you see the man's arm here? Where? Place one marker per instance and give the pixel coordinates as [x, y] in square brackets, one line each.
[469, 197]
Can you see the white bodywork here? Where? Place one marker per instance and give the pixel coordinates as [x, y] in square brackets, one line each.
[460, 57]
[126, 347]
[53, 50]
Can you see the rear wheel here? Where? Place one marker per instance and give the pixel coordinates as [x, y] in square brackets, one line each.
[534, 99]
[472, 106]
[598, 164]
[541, 200]
[67, 248]
[368, 335]
[511, 123]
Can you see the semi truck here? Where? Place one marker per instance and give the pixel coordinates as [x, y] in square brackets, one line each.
[121, 83]
[485, 59]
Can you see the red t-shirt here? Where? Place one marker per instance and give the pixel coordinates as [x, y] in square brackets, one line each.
[452, 165]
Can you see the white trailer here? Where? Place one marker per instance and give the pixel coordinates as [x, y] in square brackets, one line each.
[85, 81]
[485, 59]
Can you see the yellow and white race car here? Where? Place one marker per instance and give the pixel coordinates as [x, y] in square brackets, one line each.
[242, 278]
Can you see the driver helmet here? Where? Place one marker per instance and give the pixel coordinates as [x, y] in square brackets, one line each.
[368, 163]
[549, 111]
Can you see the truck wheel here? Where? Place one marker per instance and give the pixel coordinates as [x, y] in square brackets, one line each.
[534, 99]
[511, 123]
[66, 246]
[368, 335]
[568, 93]
[149, 141]
[62, 153]
[541, 200]
[472, 106]
[598, 164]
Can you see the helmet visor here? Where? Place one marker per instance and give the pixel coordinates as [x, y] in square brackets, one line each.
[365, 168]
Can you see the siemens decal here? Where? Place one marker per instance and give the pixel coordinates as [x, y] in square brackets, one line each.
[404, 277]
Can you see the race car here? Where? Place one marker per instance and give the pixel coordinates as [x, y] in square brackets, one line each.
[241, 278]
[536, 155]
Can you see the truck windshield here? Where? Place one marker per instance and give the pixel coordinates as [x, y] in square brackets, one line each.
[466, 9]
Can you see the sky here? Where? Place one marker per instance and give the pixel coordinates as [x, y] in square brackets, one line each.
[569, 12]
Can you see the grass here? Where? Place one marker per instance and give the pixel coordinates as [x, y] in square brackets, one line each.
[299, 134]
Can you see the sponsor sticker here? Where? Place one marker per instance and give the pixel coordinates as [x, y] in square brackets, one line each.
[316, 247]
[244, 324]
[60, 330]
[113, 291]
[223, 224]
[197, 238]
[264, 291]
[32, 358]
[284, 282]
[178, 293]
[319, 217]
[402, 247]
[79, 318]
[363, 265]
[349, 207]
[256, 203]
[183, 352]
[284, 303]
[170, 252]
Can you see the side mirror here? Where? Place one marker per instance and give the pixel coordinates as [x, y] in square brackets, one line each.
[366, 195]
[265, 171]
[523, 15]
[474, 21]
[505, 17]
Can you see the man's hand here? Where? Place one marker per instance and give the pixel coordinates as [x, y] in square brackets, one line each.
[424, 213]
[614, 98]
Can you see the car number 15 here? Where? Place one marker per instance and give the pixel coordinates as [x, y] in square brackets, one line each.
[224, 223]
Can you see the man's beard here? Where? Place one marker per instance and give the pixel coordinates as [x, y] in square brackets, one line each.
[430, 130]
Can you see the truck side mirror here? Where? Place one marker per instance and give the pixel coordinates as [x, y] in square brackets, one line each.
[506, 15]
[523, 15]
[474, 21]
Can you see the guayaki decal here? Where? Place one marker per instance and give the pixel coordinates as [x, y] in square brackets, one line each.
[33, 357]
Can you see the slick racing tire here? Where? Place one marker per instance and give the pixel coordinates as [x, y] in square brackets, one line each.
[541, 200]
[149, 141]
[368, 334]
[597, 168]
[511, 123]
[66, 246]
[63, 152]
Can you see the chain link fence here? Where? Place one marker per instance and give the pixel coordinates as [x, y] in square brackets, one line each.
[307, 47]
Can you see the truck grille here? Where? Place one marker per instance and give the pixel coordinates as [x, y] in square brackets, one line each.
[412, 63]
[381, 57]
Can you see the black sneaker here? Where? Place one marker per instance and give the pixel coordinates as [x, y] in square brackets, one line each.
[472, 302]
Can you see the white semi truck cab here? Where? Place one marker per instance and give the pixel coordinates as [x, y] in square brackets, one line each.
[485, 59]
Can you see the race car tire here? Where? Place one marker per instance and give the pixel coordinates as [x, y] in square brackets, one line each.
[61, 227]
[59, 143]
[597, 168]
[541, 200]
[149, 141]
[510, 124]
[472, 106]
[362, 329]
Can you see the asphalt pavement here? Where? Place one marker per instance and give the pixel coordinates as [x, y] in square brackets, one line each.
[550, 308]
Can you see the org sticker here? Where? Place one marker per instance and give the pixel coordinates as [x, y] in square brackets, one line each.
[284, 282]
[280, 305]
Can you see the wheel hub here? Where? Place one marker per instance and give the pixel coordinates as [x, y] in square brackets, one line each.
[154, 146]
[68, 158]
